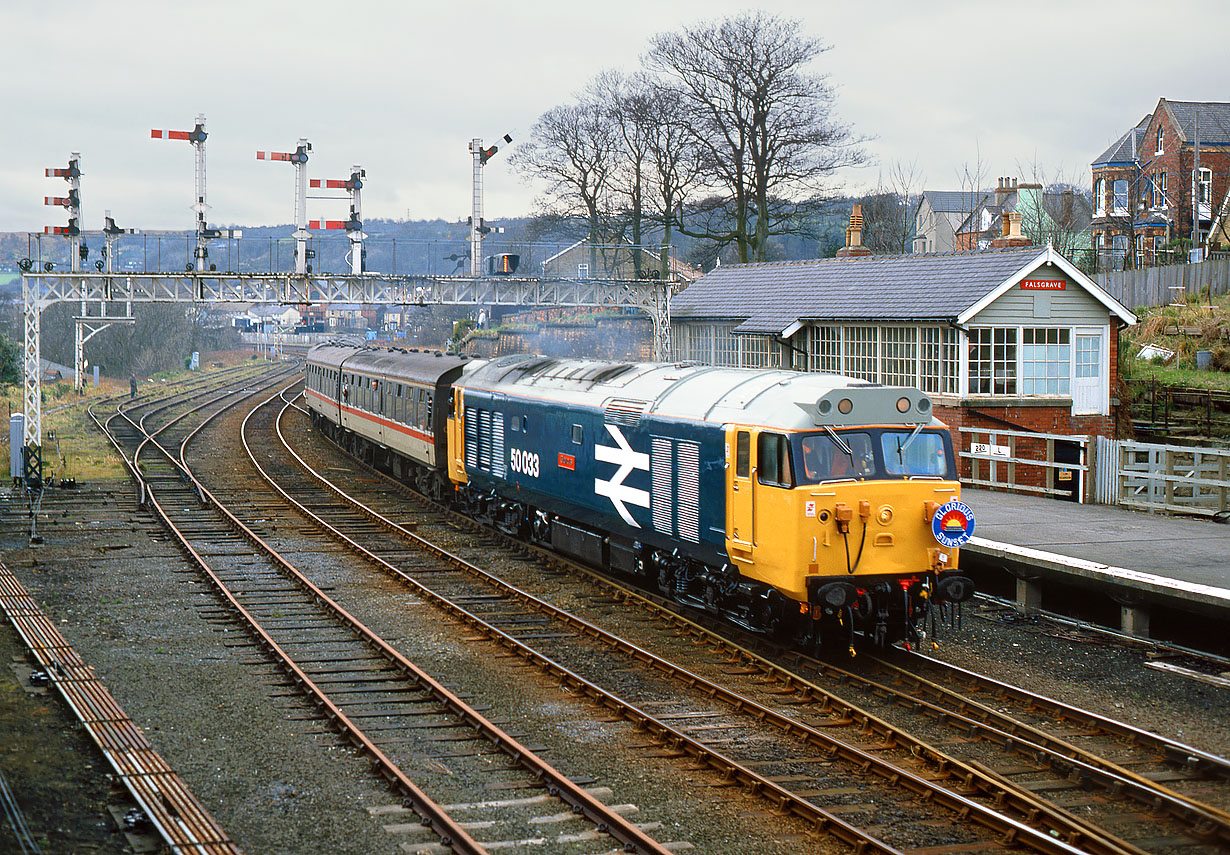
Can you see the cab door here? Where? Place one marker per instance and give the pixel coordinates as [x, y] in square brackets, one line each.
[740, 493]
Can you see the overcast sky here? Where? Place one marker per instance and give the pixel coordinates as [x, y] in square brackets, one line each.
[402, 87]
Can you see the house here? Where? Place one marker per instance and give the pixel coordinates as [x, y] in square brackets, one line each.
[1014, 337]
[1161, 187]
[940, 216]
[617, 260]
[267, 318]
[352, 316]
[1058, 215]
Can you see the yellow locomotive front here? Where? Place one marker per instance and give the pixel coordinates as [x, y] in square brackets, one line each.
[857, 520]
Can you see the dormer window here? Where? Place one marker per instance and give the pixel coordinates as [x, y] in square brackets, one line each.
[1161, 149]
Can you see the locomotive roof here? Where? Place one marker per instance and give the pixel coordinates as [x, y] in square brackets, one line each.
[627, 390]
[392, 362]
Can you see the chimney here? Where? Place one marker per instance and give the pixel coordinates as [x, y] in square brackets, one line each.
[1012, 232]
[854, 236]
[1006, 189]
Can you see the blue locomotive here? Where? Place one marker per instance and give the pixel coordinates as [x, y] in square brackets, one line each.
[796, 504]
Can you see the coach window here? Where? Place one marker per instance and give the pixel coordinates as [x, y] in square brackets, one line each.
[427, 410]
[743, 454]
[773, 460]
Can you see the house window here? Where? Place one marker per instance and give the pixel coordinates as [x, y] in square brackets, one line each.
[1204, 179]
[1118, 250]
[860, 352]
[992, 361]
[582, 271]
[1087, 356]
[1159, 190]
[900, 356]
[1160, 148]
[1046, 355]
[1120, 203]
[1099, 197]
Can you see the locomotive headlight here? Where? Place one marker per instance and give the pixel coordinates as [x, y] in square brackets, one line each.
[825, 406]
[924, 405]
[844, 406]
[885, 514]
[903, 404]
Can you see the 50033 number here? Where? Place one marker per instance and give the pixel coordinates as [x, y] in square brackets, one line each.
[525, 462]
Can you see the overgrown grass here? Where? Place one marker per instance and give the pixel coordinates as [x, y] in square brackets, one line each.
[72, 446]
[1196, 325]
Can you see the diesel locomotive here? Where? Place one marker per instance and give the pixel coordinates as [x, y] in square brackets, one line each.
[810, 506]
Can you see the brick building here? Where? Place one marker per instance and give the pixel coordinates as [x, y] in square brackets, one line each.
[1146, 186]
[1011, 338]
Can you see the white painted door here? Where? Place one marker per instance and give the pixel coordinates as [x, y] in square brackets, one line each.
[1089, 376]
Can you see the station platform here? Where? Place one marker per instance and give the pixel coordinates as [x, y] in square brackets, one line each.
[1137, 558]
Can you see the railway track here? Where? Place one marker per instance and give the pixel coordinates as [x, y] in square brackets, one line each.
[912, 766]
[1190, 825]
[384, 704]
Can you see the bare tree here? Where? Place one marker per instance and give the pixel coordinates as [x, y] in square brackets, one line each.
[572, 148]
[1055, 209]
[970, 178]
[889, 210]
[763, 124]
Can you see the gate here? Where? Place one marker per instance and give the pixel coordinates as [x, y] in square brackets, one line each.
[1049, 464]
[1157, 477]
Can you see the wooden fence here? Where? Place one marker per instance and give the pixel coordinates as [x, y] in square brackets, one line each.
[1159, 477]
[1160, 286]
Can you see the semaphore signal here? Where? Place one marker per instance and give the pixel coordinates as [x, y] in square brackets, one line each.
[299, 157]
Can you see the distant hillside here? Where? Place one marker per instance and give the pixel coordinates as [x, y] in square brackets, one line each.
[423, 247]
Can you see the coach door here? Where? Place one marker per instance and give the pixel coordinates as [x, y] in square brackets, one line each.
[740, 504]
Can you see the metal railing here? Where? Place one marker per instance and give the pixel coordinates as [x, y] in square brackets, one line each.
[1003, 452]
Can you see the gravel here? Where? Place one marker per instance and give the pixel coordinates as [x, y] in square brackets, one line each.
[279, 782]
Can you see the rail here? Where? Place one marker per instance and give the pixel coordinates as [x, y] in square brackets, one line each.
[1003, 451]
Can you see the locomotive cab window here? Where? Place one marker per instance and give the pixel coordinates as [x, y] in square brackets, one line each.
[825, 459]
[578, 434]
[908, 453]
[743, 454]
[773, 460]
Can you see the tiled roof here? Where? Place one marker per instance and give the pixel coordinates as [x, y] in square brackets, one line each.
[1122, 151]
[1214, 120]
[955, 201]
[770, 297]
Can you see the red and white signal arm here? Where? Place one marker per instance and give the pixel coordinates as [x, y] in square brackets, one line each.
[953, 524]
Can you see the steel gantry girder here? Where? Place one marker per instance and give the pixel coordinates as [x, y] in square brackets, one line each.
[40, 290]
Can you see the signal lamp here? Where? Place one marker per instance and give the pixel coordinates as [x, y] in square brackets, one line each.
[844, 406]
[903, 404]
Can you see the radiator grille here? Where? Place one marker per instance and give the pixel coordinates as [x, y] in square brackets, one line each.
[660, 498]
[498, 466]
[625, 411]
[687, 496]
[484, 440]
[471, 423]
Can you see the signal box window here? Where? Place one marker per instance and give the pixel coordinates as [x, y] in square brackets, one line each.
[743, 454]
[773, 460]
